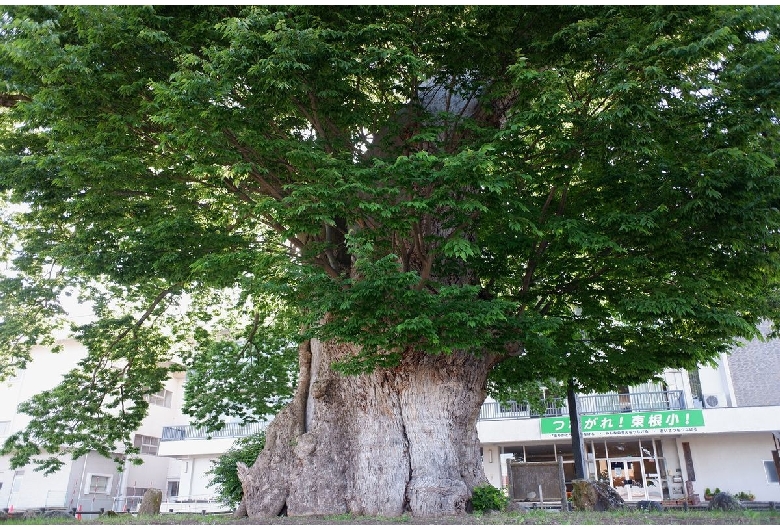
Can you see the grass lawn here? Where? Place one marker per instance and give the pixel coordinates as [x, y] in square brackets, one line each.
[533, 517]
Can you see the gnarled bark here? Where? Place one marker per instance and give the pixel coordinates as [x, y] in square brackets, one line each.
[396, 440]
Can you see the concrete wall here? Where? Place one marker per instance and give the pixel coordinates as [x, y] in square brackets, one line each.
[153, 473]
[194, 478]
[733, 463]
[752, 386]
[35, 490]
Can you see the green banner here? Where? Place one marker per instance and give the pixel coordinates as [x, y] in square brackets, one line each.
[661, 422]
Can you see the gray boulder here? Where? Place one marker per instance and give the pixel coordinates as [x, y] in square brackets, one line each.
[725, 501]
[150, 504]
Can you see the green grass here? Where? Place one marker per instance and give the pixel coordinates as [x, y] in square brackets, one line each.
[533, 517]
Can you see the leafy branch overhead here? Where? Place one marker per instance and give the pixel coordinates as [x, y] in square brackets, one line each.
[577, 191]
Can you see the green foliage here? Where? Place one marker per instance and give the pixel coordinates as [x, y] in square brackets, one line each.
[536, 394]
[487, 497]
[223, 470]
[590, 191]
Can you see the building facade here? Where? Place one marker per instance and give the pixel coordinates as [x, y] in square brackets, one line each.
[714, 427]
[90, 482]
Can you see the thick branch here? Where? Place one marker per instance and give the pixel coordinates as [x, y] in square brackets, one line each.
[11, 100]
[159, 298]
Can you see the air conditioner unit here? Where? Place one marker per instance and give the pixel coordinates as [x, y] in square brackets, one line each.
[714, 401]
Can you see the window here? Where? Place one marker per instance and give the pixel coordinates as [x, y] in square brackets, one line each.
[98, 484]
[135, 492]
[4, 426]
[162, 398]
[771, 472]
[173, 488]
[16, 484]
[147, 444]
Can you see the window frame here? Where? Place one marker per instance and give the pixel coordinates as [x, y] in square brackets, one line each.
[88, 484]
[770, 470]
[163, 398]
[142, 441]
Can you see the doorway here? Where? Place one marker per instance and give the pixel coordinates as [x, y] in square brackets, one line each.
[633, 481]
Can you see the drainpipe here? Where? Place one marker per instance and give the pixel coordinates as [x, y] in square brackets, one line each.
[122, 493]
[83, 476]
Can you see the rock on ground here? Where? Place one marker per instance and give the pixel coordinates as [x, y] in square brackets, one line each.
[150, 504]
[592, 495]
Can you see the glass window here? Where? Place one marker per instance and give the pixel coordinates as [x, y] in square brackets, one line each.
[771, 472]
[598, 449]
[17, 481]
[99, 484]
[623, 449]
[4, 426]
[162, 398]
[173, 488]
[539, 453]
[135, 492]
[564, 450]
[148, 445]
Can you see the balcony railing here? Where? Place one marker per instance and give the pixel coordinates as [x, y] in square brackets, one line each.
[512, 409]
[130, 503]
[231, 430]
[592, 404]
[632, 402]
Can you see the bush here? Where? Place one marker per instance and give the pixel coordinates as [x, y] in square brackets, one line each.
[487, 497]
[223, 470]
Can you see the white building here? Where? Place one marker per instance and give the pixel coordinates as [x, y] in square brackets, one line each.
[91, 482]
[194, 450]
[716, 427]
[712, 428]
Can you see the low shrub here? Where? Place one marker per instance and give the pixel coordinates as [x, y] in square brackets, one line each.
[487, 497]
[224, 474]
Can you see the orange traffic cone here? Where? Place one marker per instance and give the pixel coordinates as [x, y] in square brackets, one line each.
[78, 515]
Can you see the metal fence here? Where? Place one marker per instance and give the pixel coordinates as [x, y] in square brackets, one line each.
[631, 402]
[513, 409]
[592, 404]
[130, 503]
[231, 430]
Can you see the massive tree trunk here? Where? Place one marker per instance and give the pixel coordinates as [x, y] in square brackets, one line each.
[393, 441]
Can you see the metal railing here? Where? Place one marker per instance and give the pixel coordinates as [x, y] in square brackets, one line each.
[190, 432]
[130, 503]
[513, 409]
[592, 404]
[631, 402]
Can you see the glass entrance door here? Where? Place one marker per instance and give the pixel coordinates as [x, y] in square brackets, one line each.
[628, 478]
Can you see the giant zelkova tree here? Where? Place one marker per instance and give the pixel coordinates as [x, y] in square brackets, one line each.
[364, 214]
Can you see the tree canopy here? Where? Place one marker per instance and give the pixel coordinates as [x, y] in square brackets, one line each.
[586, 192]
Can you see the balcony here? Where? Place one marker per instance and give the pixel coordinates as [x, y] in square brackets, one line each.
[190, 432]
[590, 404]
[188, 441]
